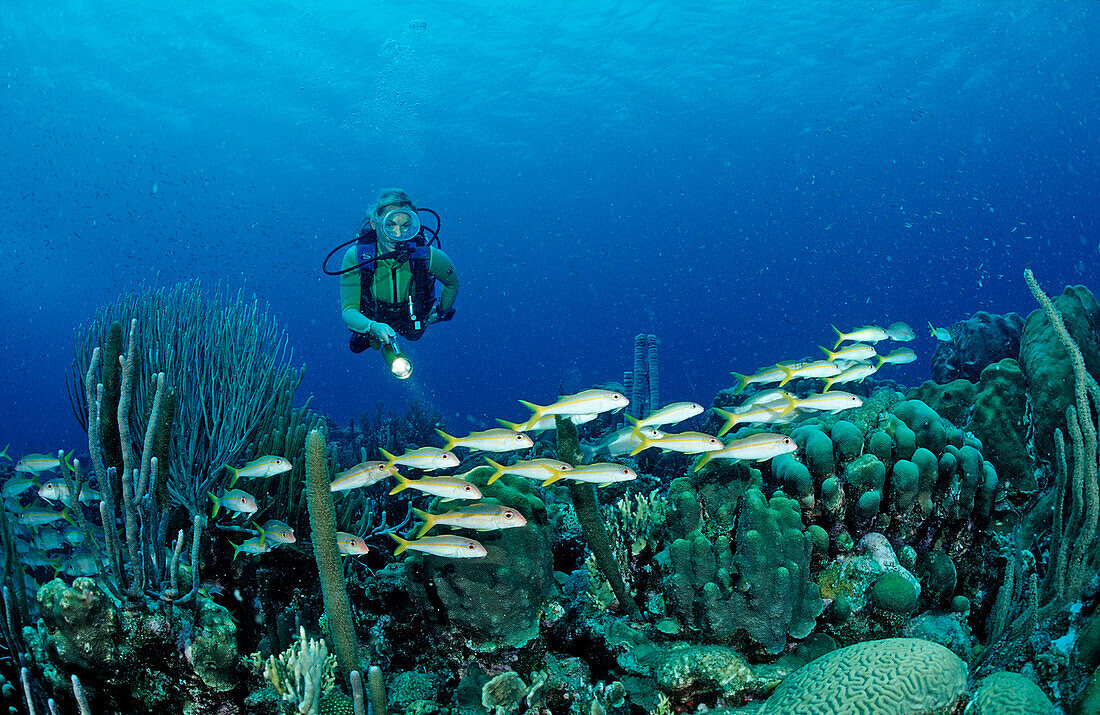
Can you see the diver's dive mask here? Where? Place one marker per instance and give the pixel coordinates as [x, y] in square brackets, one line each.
[398, 225]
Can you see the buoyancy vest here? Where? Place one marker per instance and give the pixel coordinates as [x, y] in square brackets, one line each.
[408, 317]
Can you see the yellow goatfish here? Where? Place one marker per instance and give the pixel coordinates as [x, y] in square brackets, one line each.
[669, 414]
[855, 373]
[270, 465]
[364, 474]
[277, 532]
[445, 487]
[600, 473]
[351, 544]
[255, 545]
[427, 458]
[757, 447]
[35, 463]
[449, 547]
[817, 368]
[896, 357]
[532, 469]
[685, 442]
[546, 423]
[853, 352]
[40, 516]
[769, 413]
[55, 490]
[618, 443]
[866, 334]
[826, 402]
[763, 376]
[497, 439]
[585, 402]
[900, 331]
[943, 334]
[235, 500]
[482, 517]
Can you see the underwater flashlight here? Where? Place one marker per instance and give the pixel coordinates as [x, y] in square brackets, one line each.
[398, 362]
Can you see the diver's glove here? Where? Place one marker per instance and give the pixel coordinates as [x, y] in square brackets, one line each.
[381, 332]
[436, 317]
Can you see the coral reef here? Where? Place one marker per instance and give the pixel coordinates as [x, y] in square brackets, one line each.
[977, 342]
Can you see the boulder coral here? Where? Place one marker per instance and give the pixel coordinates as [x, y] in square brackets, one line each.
[977, 342]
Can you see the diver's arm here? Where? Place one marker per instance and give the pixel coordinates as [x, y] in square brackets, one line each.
[349, 296]
[443, 270]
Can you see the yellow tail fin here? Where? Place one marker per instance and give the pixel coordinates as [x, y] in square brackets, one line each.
[389, 458]
[839, 337]
[731, 420]
[788, 375]
[429, 521]
[499, 470]
[402, 483]
[401, 544]
[536, 411]
[450, 441]
[514, 426]
[742, 380]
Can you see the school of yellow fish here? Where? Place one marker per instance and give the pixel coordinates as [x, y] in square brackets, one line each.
[852, 359]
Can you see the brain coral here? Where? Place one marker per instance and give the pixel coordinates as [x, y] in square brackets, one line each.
[1006, 693]
[894, 675]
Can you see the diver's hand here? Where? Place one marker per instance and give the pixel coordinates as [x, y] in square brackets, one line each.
[435, 317]
[381, 332]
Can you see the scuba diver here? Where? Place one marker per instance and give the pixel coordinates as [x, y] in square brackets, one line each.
[387, 279]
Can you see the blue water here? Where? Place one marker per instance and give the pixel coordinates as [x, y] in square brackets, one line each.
[731, 176]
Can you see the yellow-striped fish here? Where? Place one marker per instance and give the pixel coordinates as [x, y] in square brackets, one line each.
[539, 469]
[444, 487]
[234, 500]
[817, 368]
[896, 357]
[768, 414]
[277, 532]
[866, 334]
[685, 442]
[351, 544]
[55, 490]
[496, 439]
[35, 463]
[757, 447]
[449, 547]
[255, 545]
[546, 423]
[482, 517]
[669, 414]
[594, 401]
[40, 516]
[834, 402]
[600, 473]
[942, 334]
[773, 373]
[269, 465]
[427, 458]
[363, 474]
[853, 352]
[855, 373]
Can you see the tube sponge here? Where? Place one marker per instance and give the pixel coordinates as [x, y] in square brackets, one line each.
[322, 522]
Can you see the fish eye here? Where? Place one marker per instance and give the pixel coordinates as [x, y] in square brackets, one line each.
[470, 547]
[507, 515]
[465, 489]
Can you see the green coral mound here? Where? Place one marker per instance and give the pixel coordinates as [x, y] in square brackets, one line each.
[336, 704]
[893, 675]
[496, 600]
[894, 593]
[1006, 693]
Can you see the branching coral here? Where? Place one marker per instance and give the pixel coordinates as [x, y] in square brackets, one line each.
[302, 673]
